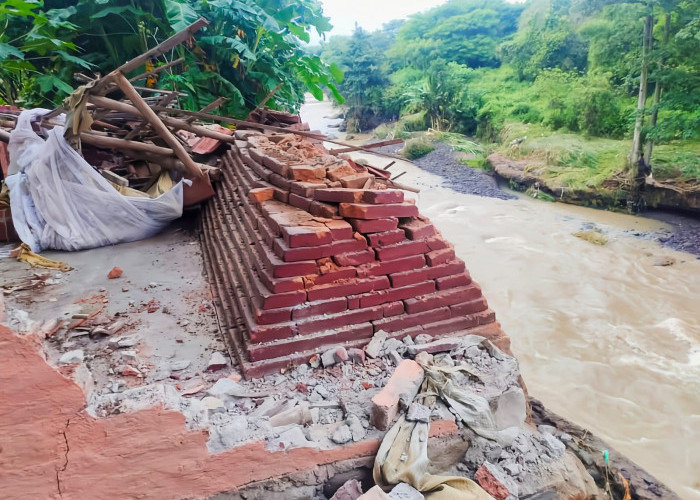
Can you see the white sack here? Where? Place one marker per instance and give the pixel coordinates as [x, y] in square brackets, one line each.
[59, 201]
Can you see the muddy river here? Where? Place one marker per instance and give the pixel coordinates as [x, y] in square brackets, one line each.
[604, 337]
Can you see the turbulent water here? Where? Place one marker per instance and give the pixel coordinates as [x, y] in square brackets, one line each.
[604, 337]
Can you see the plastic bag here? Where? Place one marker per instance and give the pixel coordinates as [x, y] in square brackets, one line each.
[59, 201]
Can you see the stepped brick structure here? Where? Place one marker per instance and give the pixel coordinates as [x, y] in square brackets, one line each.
[308, 251]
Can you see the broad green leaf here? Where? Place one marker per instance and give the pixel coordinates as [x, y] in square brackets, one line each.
[7, 50]
[315, 91]
[75, 60]
[180, 14]
[336, 72]
[118, 11]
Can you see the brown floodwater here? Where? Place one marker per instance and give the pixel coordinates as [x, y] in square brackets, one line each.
[604, 337]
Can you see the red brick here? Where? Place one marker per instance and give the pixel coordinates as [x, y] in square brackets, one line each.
[281, 182]
[340, 230]
[290, 345]
[470, 307]
[399, 250]
[7, 227]
[354, 258]
[366, 211]
[320, 209]
[285, 299]
[306, 189]
[427, 273]
[337, 321]
[269, 333]
[375, 225]
[442, 298]
[437, 257]
[417, 229]
[325, 278]
[386, 238]
[453, 281]
[486, 317]
[299, 201]
[352, 245]
[354, 302]
[306, 236]
[437, 243]
[266, 231]
[382, 196]
[451, 326]
[258, 195]
[305, 173]
[355, 181]
[338, 195]
[275, 165]
[398, 323]
[393, 309]
[281, 269]
[302, 253]
[281, 285]
[338, 171]
[309, 309]
[272, 316]
[281, 195]
[392, 266]
[393, 294]
[350, 287]
[404, 384]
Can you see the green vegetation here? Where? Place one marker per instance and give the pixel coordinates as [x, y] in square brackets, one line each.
[553, 80]
[415, 148]
[249, 48]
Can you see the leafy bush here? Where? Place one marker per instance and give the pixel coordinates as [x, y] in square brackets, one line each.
[415, 148]
[526, 113]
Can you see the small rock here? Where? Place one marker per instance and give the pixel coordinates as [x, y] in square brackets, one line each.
[321, 391]
[75, 356]
[129, 356]
[395, 358]
[328, 357]
[408, 340]
[302, 369]
[418, 413]
[216, 362]
[315, 361]
[376, 345]
[511, 468]
[130, 371]
[356, 429]
[341, 354]
[357, 356]
[424, 358]
[179, 365]
[554, 444]
[128, 341]
[114, 273]
[213, 405]
[351, 490]
[565, 438]
[423, 338]
[342, 435]
[404, 491]
[546, 429]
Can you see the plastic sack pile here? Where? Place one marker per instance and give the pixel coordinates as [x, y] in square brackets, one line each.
[60, 202]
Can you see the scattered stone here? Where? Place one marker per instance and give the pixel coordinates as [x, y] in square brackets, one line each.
[404, 491]
[554, 444]
[216, 362]
[418, 413]
[289, 438]
[351, 490]
[315, 361]
[300, 414]
[129, 356]
[114, 273]
[130, 371]
[127, 341]
[510, 409]
[228, 435]
[179, 365]
[546, 429]
[374, 493]
[342, 435]
[75, 356]
[341, 354]
[424, 358]
[321, 391]
[376, 345]
[357, 356]
[356, 428]
[440, 345]
[423, 338]
[213, 405]
[328, 358]
[496, 482]
[408, 340]
[444, 360]
[395, 358]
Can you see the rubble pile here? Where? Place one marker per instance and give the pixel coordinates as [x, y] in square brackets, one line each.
[309, 250]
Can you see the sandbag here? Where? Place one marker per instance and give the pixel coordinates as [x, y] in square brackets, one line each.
[60, 202]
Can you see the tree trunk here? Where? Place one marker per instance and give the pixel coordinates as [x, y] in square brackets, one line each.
[657, 92]
[639, 122]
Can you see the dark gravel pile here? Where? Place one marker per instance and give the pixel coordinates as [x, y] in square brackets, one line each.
[685, 235]
[463, 179]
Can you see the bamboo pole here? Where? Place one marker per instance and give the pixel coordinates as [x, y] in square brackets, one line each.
[156, 123]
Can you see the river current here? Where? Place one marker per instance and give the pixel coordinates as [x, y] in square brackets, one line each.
[604, 337]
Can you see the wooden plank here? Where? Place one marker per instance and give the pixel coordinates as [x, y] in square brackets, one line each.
[122, 144]
[158, 126]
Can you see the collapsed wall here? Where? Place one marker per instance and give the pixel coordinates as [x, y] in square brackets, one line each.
[309, 251]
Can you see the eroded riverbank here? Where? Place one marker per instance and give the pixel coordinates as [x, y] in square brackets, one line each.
[604, 337]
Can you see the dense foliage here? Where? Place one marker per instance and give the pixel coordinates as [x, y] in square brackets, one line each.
[475, 66]
[249, 48]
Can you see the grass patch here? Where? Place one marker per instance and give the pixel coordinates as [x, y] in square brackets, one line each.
[415, 148]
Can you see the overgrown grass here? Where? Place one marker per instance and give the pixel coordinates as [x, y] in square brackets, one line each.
[415, 148]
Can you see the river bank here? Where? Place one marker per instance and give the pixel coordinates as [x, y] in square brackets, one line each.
[604, 337]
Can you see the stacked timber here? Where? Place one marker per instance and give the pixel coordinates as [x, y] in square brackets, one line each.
[309, 251]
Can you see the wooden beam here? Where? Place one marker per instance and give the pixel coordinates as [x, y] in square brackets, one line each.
[157, 70]
[158, 126]
[122, 144]
[106, 103]
[164, 101]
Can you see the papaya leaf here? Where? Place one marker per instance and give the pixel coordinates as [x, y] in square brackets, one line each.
[7, 50]
[180, 14]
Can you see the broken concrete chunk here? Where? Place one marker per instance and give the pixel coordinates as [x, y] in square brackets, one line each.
[510, 409]
[423, 338]
[440, 345]
[356, 428]
[418, 413]
[126, 341]
[375, 346]
[129, 356]
[216, 362]
[357, 356]
[290, 438]
[75, 356]
[342, 435]
[328, 358]
[404, 491]
[401, 387]
[556, 446]
[227, 387]
[300, 414]
[130, 371]
[213, 405]
[395, 358]
[374, 493]
[179, 365]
